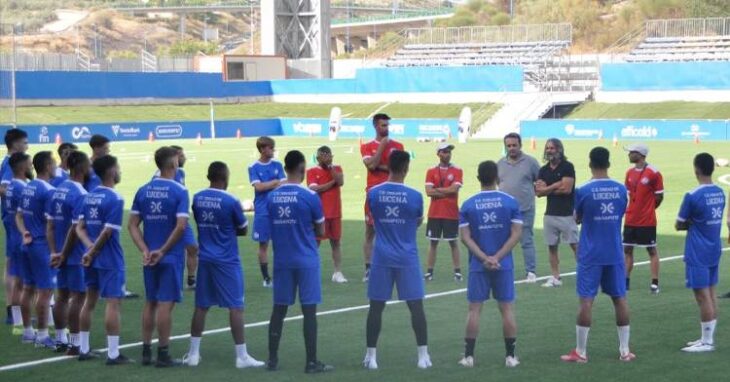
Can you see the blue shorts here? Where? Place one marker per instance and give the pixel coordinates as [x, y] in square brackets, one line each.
[408, 281]
[13, 254]
[219, 284]
[37, 269]
[611, 278]
[699, 277]
[109, 282]
[261, 229]
[287, 281]
[163, 282]
[71, 277]
[188, 238]
[499, 284]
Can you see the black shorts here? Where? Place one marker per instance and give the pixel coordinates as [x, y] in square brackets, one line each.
[640, 236]
[446, 229]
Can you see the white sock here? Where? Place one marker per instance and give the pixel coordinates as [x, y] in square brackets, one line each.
[371, 353]
[422, 352]
[708, 332]
[113, 345]
[194, 346]
[84, 342]
[241, 352]
[61, 336]
[42, 334]
[73, 339]
[581, 339]
[624, 333]
[28, 331]
[50, 316]
[17, 317]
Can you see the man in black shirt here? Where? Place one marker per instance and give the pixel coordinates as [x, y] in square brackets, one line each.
[556, 180]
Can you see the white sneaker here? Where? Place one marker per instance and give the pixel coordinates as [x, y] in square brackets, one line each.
[531, 278]
[191, 360]
[339, 278]
[424, 362]
[511, 361]
[366, 276]
[467, 362]
[243, 363]
[699, 348]
[370, 363]
[552, 282]
[695, 342]
[268, 283]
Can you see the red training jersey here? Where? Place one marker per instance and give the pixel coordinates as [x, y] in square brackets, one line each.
[331, 201]
[438, 177]
[367, 150]
[643, 184]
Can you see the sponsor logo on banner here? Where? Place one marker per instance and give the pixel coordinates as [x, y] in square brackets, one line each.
[573, 131]
[632, 131]
[433, 130]
[80, 132]
[356, 129]
[43, 136]
[128, 132]
[307, 128]
[695, 131]
[168, 131]
[397, 129]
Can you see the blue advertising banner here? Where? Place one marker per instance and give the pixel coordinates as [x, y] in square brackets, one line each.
[628, 129]
[701, 75]
[360, 127]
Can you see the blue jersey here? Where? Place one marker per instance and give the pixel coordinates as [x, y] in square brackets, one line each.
[6, 175]
[702, 208]
[59, 177]
[34, 204]
[11, 204]
[65, 201]
[218, 215]
[396, 211]
[92, 182]
[179, 176]
[600, 204]
[104, 208]
[293, 211]
[159, 203]
[489, 216]
[260, 173]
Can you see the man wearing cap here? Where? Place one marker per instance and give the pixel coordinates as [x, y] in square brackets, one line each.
[518, 173]
[646, 191]
[443, 182]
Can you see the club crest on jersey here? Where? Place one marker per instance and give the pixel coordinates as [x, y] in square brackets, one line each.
[645, 180]
[450, 177]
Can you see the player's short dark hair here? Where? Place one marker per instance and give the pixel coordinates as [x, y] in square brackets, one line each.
[705, 163]
[76, 160]
[41, 160]
[16, 160]
[98, 140]
[177, 148]
[293, 160]
[103, 164]
[398, 161]
[599, 158]
[324, 150]
[165, 156]
[513, 135]
[264, 142]
[14, 135]
[65, 146]
[487, 173]
[380, 117]
[217, 171]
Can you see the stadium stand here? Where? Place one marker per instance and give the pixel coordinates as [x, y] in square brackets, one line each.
[683, 40]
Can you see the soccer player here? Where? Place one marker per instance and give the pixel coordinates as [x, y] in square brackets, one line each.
[16, 141]
[645, 185]
[517, 176]
[99, 147]
[99, 222]
[442, 185]
[599, 206]
[326, 179]
[490, 225]
[162, 206]
[556, 181]
[21, 166]
[66, 252]
[31, 220]
[62, 171]
[220, 220]
[296, 222]
[375, 157]
[191, 246]
[701, 216]
[397, 212]
[265, 175]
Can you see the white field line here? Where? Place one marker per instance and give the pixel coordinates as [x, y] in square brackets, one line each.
[22, 365]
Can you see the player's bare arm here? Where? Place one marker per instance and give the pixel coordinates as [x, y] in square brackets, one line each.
[681, 225]
[266, 186]
[373, 162]
[658, 199]
[83, 235]
[175, 236]
[27, 238]
[68, 243]
[514, 238]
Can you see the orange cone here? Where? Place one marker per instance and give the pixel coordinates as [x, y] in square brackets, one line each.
[615, 141]
[58, 139]
[533, 144]
[697, 139]
[151, 137]
[238, 133]
[199, 140]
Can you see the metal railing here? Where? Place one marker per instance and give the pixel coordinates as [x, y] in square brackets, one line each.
[491, 34]
[80, 61]
[715, 26]
[149, 61]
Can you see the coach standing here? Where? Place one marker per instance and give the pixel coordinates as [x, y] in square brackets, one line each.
[518, 173]
[646, 192]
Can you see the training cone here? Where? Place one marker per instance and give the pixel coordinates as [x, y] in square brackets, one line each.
[151, 137]
[238, 134]
[58, 139]
[697, 139]
[600, 135]
[615, 141]
[533, 144]
[199, 140]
